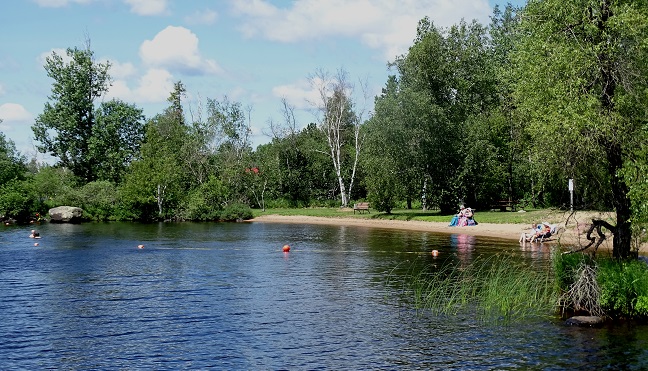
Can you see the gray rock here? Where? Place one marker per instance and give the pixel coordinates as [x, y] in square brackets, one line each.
[66, 214]
[584, 321]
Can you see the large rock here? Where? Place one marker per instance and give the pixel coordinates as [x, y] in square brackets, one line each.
[585, 321]
[66, 214]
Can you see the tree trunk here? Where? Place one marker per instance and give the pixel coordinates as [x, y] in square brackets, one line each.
[621, 243]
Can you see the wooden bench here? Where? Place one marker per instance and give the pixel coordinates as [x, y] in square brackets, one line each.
[361, 206]
[502, 205]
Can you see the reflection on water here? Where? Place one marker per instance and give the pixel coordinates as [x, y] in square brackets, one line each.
[224, 296]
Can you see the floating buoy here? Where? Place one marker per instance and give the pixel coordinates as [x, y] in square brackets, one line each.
[140, 246]
[435, 252]
[286, 248]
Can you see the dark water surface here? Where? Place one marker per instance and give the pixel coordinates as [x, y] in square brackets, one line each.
[224, 296]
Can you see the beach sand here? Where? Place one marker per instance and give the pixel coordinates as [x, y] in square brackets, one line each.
[569, 236]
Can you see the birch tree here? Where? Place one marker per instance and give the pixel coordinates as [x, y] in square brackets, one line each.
[341, 125]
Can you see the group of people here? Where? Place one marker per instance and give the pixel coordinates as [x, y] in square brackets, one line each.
[538, 232]
[465, 217]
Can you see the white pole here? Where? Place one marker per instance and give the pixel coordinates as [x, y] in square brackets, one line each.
[571, 194]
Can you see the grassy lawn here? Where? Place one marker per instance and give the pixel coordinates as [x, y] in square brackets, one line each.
[506, 217]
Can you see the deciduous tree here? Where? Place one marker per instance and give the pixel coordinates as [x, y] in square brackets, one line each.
[65, 128]
[581, 71]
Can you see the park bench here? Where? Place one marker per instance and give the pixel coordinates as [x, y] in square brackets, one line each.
[360, 207]
[503, 205]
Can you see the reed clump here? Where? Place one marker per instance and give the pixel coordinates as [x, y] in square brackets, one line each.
[493, 287]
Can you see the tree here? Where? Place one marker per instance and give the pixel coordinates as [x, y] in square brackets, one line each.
[158, 181]
[444, 79]
[116, 139]
[335, 114]
[581, 69]
[12, 164]
[65, 127]
[230, 123]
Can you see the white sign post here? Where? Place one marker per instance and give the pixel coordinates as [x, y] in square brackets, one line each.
[571, 194]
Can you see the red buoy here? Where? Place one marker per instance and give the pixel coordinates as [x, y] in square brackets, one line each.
[286, 248]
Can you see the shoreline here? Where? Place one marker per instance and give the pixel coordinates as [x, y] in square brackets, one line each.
[512, 232]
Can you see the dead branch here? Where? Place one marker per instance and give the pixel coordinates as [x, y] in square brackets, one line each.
[597, 224]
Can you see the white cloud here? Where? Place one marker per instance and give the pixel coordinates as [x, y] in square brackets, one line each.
[206, 16]
[298, 94]
[121, 70]
[14, 112]
[176, 48]
[154, 87]
[14, 116]
[148, 7]
[386, 25]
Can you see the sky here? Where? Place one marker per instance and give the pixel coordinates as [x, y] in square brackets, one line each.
[254, 52]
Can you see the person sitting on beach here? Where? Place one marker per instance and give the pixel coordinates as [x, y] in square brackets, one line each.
[455, 219]
[543, 230]
[34, 234]
[467, 218]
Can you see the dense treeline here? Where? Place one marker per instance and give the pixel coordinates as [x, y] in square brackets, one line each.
[473, 113]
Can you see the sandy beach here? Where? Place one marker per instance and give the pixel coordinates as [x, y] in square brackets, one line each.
[567, 236]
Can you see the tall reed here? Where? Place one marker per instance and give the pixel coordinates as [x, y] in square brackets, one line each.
[493, 287]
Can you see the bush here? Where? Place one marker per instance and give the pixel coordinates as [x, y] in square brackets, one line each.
[624, 288]
[204, 203]
[566, 268]
[17, 201]
[235, 212]
[99, 200]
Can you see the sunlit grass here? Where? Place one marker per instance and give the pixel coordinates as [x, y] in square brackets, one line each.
[495, 287]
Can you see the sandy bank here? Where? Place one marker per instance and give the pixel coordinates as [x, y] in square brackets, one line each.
[568, 237]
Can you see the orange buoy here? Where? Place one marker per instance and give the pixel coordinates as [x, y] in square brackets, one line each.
[435, 252]
[140, 246]
[286, 248]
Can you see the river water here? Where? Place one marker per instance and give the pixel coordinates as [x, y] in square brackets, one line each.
[225, 296]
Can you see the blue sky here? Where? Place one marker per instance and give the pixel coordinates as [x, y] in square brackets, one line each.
[255, 52]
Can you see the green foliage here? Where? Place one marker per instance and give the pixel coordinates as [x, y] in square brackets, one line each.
[576, 65]
[99, 200]
[624, 287]
[236, 212]
[565, 267]
[66, 125]
[17, 201]
[55, 186]
[205, 202]
[12, 164]
[621, 286]
[116, 138]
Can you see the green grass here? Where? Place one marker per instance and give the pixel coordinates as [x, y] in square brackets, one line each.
[495, 287]
[528, 217]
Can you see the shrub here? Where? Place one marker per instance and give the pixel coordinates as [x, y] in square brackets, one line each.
[204, 203]
[566, 267]
[99, 199]
[624, 287]
[236, 211]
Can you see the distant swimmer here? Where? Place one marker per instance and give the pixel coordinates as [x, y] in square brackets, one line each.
[34, 234]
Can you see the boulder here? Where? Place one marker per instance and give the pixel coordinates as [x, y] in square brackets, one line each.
[585, 321]
[66, 214]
